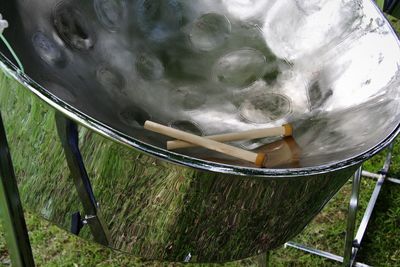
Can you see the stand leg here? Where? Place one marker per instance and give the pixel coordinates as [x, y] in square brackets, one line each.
[12, 214]
[68, 133]
[351, 221]
[352, 242]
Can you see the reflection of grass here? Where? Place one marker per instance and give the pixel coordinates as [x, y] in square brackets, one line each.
[52, 247]
[395, 22]
[128, 183]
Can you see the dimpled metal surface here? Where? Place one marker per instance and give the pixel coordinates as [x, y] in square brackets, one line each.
[331, 68]
[220, 66]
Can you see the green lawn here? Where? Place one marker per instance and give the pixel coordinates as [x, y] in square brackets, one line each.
[381, 246]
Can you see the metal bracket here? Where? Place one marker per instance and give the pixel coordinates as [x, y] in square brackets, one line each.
[353, 242]
[11, 211]
[68, 133]
[77, 223]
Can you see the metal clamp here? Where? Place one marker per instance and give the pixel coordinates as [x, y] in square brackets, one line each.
[68, 133]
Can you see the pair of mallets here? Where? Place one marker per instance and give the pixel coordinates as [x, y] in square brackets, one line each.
[215, 142]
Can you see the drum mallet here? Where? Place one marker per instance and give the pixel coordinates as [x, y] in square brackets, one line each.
[255, 158]
[284, 130]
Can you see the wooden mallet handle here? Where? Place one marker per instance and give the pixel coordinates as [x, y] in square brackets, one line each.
[283, 152]
[285, 130]
[255, 158]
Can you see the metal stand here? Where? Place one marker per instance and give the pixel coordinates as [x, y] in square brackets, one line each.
[12, 214]
[353, 243]
[68, 133]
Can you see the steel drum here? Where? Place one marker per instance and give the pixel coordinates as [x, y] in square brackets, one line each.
[331, 68]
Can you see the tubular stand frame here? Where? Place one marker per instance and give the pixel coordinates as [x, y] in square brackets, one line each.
[353, 241]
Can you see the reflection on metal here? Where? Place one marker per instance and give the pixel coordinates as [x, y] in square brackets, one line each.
[396, 11]
[353, 242]
[391, 7]
[332, 68]
[11, 212]
[68, 132]
[157, 210]
[264, 259]
[353, 47]
[380, 3]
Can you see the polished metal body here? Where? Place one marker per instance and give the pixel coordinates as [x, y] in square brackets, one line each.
[328, 67]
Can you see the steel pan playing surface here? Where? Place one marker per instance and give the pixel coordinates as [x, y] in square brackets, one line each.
[330, 68]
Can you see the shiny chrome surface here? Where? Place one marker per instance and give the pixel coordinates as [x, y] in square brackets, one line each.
[328, 67]
[154, 209]
[220, 66]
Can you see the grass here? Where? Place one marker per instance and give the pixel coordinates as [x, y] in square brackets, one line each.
[53, 247]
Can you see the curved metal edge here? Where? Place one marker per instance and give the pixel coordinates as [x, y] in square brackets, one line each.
[179, 159]
[9, 68]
